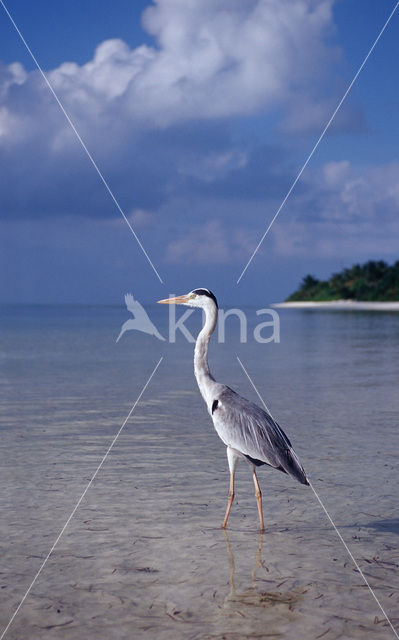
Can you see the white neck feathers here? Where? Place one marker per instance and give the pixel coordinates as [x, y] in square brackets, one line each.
[201, 367]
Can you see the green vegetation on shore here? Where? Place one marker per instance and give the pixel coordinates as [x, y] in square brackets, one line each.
[374, 281]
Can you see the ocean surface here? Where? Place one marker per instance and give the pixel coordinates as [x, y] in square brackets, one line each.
[144, 555]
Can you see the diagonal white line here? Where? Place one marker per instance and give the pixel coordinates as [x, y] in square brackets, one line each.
[255, 389]
[354, 561]
[93, 162]
[327, 514]
[80, 499]
[318, 141]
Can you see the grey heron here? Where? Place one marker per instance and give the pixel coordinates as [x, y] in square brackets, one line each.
[248, 431]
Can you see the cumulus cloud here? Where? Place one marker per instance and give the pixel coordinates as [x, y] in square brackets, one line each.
[210, 243]
[158, 118]
[343, 210]
[227, 57]
[352, 195]
[340, 210]
[141, 218]
[212, 59]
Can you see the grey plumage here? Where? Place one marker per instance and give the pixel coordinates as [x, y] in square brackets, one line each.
[247, 428]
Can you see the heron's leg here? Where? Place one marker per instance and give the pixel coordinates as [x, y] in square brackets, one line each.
[258, 496]
[232, 459]
[229, 500]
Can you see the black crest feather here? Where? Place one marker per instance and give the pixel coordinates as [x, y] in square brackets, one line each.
[205, 292]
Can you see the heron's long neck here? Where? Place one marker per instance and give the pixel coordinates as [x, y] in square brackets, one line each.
[201, 367]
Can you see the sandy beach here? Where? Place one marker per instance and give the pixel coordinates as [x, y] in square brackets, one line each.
[340, 305]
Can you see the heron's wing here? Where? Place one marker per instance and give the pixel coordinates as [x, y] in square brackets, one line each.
[244, 426]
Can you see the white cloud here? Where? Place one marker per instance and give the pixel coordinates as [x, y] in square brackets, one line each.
[228, 57]
[10, 77]
[211, 243]
[141, 218]
[212, 59]
[106, 77]
[13, 74]
[345, 210]
[213, 165]
[356, 195]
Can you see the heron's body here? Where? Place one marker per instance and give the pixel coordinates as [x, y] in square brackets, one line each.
[248, 431]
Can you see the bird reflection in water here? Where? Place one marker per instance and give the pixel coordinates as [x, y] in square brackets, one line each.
[237, 601]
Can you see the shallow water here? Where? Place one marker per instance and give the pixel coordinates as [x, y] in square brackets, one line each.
[144, 555]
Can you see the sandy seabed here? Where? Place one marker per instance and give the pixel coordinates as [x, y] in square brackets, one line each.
[144, 556]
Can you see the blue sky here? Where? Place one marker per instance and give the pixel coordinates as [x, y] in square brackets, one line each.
[200, 114]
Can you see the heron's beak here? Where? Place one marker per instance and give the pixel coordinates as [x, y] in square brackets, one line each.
[177, 300]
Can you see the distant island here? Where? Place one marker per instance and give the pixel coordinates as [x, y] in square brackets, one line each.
[373, 281]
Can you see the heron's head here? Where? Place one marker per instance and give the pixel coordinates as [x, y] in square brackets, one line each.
[201, 298]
